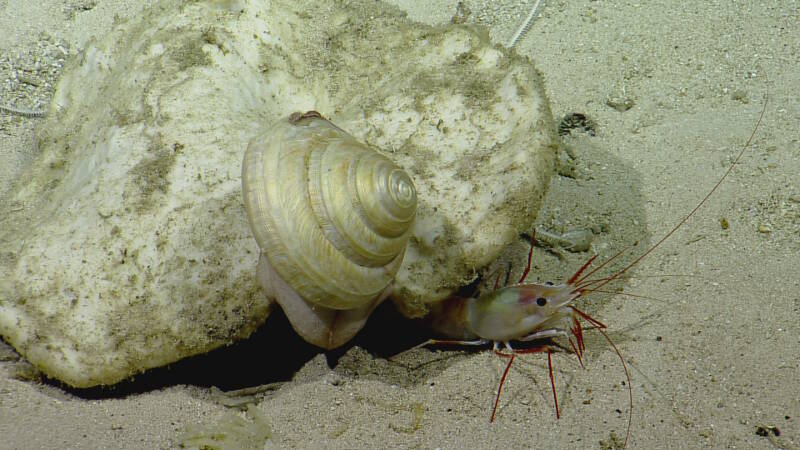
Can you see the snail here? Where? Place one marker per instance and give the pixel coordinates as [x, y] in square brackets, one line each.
[332, 218]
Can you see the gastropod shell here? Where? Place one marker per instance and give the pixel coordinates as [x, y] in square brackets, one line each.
[332, 218]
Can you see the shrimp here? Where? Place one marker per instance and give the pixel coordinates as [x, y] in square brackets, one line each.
[535, 313]
[523, 312]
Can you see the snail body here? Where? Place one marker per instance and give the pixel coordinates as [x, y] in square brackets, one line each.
[332, 218]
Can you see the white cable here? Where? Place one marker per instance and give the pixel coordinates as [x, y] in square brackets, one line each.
[525, 25]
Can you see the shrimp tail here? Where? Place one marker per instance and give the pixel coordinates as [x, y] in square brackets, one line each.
[451, 318]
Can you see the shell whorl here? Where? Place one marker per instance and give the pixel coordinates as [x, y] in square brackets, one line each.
[331, 215]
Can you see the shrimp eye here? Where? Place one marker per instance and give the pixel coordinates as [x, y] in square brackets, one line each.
[549, 283]
[541, 301]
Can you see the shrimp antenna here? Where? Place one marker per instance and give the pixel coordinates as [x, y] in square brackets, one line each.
[691, 213]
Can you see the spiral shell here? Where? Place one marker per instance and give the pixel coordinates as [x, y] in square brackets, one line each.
[331, 216]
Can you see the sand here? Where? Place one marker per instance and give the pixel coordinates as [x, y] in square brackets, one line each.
[708, 324]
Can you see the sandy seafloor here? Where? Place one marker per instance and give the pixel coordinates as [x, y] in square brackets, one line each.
[714, 352]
